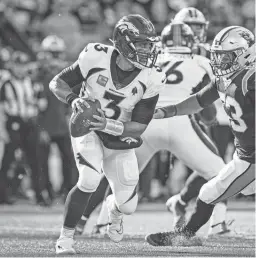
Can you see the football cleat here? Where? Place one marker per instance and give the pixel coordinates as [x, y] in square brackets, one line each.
[64, 245]
[220, 228]
[175, 206]
[115, 226]
[173, 239]
[99, 229]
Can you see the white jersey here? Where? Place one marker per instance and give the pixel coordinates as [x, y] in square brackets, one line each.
[183, 75]
[97, 63]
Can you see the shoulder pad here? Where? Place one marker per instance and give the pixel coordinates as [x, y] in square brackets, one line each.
[155, 83]
[93, 53]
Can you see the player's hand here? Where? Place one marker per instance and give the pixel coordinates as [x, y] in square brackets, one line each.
[159, 114]
[78, 102]
[101, 121]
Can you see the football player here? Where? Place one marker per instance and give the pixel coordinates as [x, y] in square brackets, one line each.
[186, 73]
[199, 25]
[125, 80]
[233, 61]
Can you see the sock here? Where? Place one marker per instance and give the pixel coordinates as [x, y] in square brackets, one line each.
[192, 187]
[67, 232]
[200, 216]
[103, 216]
[219, 214]
[74, 207]
[82, 221]
[97, 197]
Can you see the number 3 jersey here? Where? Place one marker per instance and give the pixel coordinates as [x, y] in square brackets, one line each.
[184, 75]
[238, 97]
[118, 97]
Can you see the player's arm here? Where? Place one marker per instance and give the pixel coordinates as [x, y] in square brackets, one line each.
[191, 105]
[141, 116]
[61, 85]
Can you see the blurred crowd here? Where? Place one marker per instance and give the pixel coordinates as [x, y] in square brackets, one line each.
[38, 38]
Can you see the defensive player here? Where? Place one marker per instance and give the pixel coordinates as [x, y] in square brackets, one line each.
[126, 82]
[233, 62]
[186, 73]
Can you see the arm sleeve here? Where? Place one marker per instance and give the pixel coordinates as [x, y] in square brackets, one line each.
[144, 110]
[72, 75]
[207, 95]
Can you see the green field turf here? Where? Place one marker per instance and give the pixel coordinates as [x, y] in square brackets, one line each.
[30, 231]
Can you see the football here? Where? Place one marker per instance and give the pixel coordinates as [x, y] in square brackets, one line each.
[80, 122]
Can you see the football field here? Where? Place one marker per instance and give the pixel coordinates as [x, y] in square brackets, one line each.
[31, 231]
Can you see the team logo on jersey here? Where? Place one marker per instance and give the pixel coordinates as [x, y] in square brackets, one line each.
[128, 140]
[134, 91]
[102, 80]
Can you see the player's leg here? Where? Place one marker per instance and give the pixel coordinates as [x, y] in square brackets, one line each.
[197, 151]
[88, 154]
[235, 177]
[96, 198]
[155, 138]
[121, 170]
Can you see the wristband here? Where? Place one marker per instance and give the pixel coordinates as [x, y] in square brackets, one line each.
[113, 127]
[169, 111]
[71, 97]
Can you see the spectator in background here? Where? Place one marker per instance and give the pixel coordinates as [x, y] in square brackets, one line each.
[53, 122]
[63, 23]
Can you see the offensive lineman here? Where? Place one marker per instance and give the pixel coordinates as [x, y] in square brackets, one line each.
[233, 62]
[126, 82]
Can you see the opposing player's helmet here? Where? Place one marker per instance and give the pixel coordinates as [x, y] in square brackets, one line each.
[232, 49]
[132, 29]
[53, 43]
[196, 20]
[177, 37]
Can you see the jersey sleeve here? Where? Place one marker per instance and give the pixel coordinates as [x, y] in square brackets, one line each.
[91, 53]
[207, 95]
[156, 83]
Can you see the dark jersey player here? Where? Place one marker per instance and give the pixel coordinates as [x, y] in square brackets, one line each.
[233, 62]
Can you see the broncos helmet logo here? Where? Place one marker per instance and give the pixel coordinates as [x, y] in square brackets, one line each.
[128, 26]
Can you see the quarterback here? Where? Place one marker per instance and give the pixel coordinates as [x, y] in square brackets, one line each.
[186, 73]
[233, 62]
[124, 79]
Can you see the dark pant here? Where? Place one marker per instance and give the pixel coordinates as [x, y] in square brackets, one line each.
[68, 164]
[25, 137]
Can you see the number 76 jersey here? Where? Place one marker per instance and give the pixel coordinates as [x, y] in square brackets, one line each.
[238, 98]
[118, 96]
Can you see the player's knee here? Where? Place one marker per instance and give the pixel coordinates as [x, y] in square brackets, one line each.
[89, 180]
[130, 206]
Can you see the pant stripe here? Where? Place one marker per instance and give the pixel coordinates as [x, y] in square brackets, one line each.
[133, 194]
[83, 161]
[238, 184]
[203, 137]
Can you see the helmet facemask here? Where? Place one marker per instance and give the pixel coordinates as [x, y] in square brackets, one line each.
[200, 31]
[225, 62]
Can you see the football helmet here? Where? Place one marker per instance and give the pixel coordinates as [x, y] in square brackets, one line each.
[53, 43]
[196, 20]
[232, 49]
[177, 37]
[133, 30]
